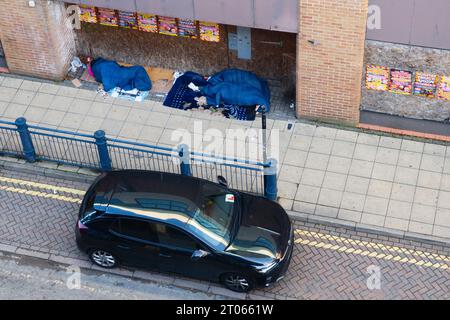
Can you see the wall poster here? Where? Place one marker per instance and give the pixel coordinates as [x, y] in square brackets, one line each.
[88, 14]
[167, 26]
[187, 28]
[425, 84]
[209, 31]
[377, 78]
[444, 88]
[147, 22]
[401, 82]
[107, 17]
[128, 20]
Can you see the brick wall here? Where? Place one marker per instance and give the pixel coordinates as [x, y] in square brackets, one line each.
[329, 72]
[37, 41]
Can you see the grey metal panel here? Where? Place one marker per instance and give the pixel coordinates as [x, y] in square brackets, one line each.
[234, 12]
[396, 21]
[172, 8]
[431, 28]
[281, 15]
[128, 5]
[244, 43]
[416, 22]
[232, 41]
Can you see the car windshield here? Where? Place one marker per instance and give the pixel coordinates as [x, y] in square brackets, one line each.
[205, 209]
[214, 215]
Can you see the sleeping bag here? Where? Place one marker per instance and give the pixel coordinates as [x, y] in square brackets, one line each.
[238, 87]
[113, 75]
[236, 76]
[236, 94]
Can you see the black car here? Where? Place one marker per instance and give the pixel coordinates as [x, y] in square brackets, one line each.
[190, 226]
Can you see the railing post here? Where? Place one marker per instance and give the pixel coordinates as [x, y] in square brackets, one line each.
[102, 147]
[25, 137]
[185, 161]
[270, 180]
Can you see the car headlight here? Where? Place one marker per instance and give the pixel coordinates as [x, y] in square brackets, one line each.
[265, 268]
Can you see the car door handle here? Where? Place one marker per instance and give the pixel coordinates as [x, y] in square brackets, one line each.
[165, 255]
[120, 246]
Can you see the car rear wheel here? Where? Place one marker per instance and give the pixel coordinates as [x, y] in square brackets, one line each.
[103, 258]
[237, 282]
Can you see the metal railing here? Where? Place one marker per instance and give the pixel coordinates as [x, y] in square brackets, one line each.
[98, 152]
[9, 139]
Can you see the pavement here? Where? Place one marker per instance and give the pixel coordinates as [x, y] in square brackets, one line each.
[39, 212]
[361, 179]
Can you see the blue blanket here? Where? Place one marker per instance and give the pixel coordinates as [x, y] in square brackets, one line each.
[239, 87]
[183, 97]
[113, 75]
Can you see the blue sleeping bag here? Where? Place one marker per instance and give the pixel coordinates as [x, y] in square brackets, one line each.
[238, 87]
[232, 93]
[113, 75]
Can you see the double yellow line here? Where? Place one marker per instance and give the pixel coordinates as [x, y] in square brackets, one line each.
[57, 193]
[372, 249]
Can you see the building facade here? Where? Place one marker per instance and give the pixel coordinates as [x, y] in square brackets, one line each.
[319, 50]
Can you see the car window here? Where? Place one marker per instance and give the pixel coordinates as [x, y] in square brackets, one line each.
[212, 220]
[169, 236]
[138, 229]
[115, 226]
[103, 224]
[100, 196]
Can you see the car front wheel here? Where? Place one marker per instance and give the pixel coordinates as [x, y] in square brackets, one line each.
[103, 258]
[237, 282]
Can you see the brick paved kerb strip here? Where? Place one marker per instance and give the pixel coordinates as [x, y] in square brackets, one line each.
[21, 166]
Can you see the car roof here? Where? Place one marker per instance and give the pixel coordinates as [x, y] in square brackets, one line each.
[158, 196]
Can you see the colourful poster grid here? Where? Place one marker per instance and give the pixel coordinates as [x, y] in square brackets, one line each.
[209, 31]
[128, 20]
[167, 26]
[187, 28]
[88, 14]
[147, 22]
[206, 31]
[444, 88]
[401, 82]
[425, 84]
[107, 17]
[377, 78]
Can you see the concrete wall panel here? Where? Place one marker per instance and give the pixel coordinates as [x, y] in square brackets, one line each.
[277, 15]
[172, 8]
[112, 4]
[419, 22]
[233, 12]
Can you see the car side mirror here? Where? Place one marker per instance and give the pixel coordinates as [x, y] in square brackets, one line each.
[222, 181]
[199, 254]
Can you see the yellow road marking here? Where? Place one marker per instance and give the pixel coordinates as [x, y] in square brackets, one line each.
[367, 244]
[42, 186]
[373, 254]
[41, 194]
[313, 243]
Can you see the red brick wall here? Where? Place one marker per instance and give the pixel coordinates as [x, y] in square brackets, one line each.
[329, 72]
[37, 41]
